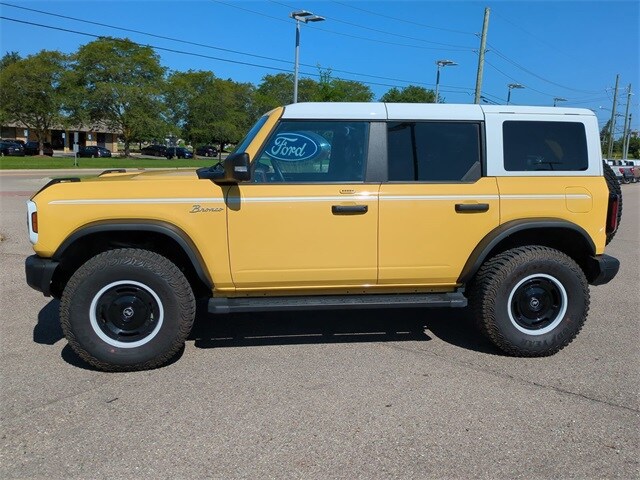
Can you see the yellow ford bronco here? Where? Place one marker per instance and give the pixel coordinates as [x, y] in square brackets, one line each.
[337, 205]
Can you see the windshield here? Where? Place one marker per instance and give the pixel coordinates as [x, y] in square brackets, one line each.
[252, 133]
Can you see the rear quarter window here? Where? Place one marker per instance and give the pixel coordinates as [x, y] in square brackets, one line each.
[544, 146]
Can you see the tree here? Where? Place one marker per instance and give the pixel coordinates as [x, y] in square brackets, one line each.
[409, 94]
[277, 90]
[32, 91]
[208, 109]
[338, 90]
[120, 85]
[9, 58]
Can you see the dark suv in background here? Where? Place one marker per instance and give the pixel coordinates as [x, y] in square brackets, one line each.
[33, 148]
[207, 151]
[154, 150]
[179, 152]
[11, 148]
[93, 152]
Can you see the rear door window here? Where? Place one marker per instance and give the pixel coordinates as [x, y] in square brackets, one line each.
[434, 151]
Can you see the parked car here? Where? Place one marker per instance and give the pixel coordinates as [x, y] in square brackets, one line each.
[33, 148]
[207, 151]
[94, 152]
[154, 150]
[13, 140]
[179, 152]
[635, 170]
[618, 174]
[627, 171]
[10, 148]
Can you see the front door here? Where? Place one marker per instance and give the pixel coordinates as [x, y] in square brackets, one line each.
[307, 220]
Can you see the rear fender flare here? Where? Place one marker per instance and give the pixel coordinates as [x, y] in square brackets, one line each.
[506, 230]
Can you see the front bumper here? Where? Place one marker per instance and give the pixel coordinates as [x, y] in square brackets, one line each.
[39, 272]
[601, 269]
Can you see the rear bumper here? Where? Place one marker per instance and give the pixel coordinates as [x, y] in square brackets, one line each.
[602, 269]
[39, 272]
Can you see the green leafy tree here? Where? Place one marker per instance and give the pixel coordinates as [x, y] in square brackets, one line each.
[9, 58]
[409, 94]
[338, 90]
[208, 109]
[33, 93]
[119, 84]
[277, 90]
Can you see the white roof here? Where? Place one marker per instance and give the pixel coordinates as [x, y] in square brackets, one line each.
[336, 111]
[414, 111]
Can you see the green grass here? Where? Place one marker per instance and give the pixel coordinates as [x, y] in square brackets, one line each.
[30, 163]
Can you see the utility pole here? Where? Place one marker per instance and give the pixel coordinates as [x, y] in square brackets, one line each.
[613, 119]
[483, 48]
[627, 140]
[626, 125]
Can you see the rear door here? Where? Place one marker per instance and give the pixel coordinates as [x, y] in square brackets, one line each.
[437, 205]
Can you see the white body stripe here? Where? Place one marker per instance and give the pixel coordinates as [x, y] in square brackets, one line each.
[328, 198]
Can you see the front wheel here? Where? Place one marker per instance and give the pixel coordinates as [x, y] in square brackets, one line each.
[127, 309]
[530, 301]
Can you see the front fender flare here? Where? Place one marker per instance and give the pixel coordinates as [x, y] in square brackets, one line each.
[175, 233]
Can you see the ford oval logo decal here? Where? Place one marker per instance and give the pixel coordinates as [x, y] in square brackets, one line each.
[297, 147]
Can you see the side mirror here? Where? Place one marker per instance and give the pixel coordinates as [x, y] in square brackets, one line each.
[233, 169]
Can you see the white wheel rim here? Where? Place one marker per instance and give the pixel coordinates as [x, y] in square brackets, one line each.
[115, 343]
[559, 317]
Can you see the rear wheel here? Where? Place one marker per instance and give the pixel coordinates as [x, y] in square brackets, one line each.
[614, 189]
[127, 309]
[530, 301]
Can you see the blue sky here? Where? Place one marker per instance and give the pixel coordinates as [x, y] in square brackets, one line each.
[571, 49]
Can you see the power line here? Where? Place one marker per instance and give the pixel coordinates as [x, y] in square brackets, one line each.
[402, 19]
[334, 19]
[182, 52]
[524, 69]
[517, 81]
[163, 37]
[315, 27]
[552, 47]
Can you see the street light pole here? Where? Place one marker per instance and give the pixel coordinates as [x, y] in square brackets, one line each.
[511, 87]
[296, 62]
[558, 99]
[626, 124]
[305, 17]
[442, 63]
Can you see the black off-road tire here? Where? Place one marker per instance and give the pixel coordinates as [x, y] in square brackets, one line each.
[614, 188]
[127, 309]
[509, 287]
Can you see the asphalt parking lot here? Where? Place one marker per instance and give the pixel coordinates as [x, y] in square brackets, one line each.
[347, 394]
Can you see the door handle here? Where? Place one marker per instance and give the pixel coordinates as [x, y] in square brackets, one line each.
[471, 207]
[349, 209]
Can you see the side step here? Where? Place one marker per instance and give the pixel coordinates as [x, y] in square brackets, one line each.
[335, 302]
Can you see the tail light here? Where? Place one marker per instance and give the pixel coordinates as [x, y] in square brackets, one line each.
[612, 213]
[32, 221]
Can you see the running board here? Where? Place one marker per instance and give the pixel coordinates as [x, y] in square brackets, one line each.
[336, 302]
